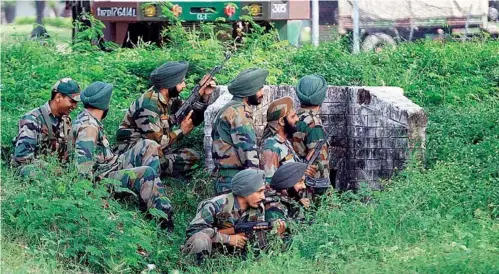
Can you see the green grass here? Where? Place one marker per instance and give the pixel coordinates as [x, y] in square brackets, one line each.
[19, 33]
[440, 216]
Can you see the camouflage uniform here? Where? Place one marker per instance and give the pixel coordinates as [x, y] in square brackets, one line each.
[275, 152]
[148, 118]
[40, 133]
[234, 143]
[217, 213]
[280, 206]
[309, 131]
[96, 160]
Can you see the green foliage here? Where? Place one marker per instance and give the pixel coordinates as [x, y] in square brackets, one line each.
[440, 217]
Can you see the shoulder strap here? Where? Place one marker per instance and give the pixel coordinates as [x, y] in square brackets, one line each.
[48, 123]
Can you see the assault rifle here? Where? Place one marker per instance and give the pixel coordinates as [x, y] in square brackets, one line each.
[259, 229]
[318, 182]
[193, 102]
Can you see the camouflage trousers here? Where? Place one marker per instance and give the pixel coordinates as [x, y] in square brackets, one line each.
[179, 161]
[174, 161]
[138, 171]
[201, 243]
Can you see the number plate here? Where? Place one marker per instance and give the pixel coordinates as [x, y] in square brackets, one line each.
[116, 12]
[279, 10]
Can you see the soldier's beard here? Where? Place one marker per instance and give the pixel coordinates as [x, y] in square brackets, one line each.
[253, 100]
[293, 193]
[288, 128]
[104, 114]
[173, 92]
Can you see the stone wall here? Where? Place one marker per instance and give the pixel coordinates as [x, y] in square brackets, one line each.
[373, 130]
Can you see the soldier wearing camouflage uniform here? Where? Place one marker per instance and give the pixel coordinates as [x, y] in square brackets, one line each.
[311, 91]
[284, 198]
[148, 117]
[46, 130]
[213, 226]
[276, 149]
[234, 139]
[95, 160]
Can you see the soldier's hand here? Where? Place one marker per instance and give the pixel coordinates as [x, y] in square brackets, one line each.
[311, 170]
[305, 202]
[228, 231]
[187, 125]
[207, 89]
[238, 240]
[281, 226]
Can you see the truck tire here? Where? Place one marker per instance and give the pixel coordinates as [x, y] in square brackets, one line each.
[378, 40]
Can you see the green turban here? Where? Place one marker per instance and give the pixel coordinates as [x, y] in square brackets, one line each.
[311, 90]
[248, 82]
[169, 74]
[247, 182]
[97, 95]
[69, 87]
[277, 109]
[288, 175]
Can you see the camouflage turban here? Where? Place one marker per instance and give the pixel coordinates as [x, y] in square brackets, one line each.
[248, 82]
[169, 74]
[247, 182]
[69, 87]
[277, 109]
[97, 95]
[288, 175]
[311, 90]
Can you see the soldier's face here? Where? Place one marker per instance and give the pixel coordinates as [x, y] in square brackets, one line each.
[256, 198]
[65, 104]
[292, 118]
[300, 186]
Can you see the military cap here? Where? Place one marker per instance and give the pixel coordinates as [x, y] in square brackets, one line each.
[311, 90]
[169, 74]
[69, 87]
[248, 82]
[279, 108]
[97, 95]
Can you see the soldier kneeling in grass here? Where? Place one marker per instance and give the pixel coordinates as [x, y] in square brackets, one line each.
[226, 222]
[95, 160]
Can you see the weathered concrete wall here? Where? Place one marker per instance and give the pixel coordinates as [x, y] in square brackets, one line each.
[373, 129]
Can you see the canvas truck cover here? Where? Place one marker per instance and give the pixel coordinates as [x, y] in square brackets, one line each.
[401, 10]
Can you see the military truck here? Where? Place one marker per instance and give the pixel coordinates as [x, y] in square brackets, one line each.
[387, 22]
[126, 22]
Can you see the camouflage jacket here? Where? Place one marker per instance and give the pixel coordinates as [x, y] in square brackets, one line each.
[234, 138]
[275, 152]
[94, 156]
[148, 118]
[34, 137]
[280, 206]
[221, 212]
[310, 131]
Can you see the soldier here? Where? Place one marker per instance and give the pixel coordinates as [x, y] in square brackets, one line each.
[95, 160]
[148, 117]
[284, 200]
[46, 130]
[234, 138]
[276, 149]
[311, 91]
[214, 223]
